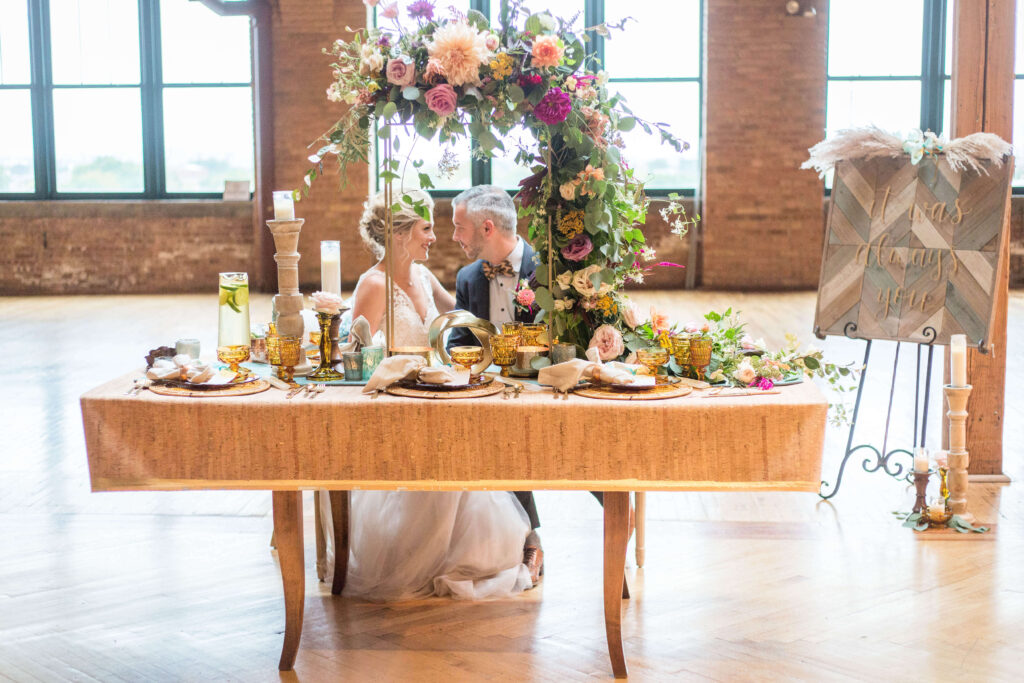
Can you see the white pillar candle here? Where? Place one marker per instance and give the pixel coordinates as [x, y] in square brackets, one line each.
[330, 266]
[284, 206]
[921, 460]
[958, 360]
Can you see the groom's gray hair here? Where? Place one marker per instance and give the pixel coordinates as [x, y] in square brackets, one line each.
[488, 202]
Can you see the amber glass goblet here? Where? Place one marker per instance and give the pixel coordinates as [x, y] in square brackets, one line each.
[467, 357]
[652, 358]
[535, 334]
[681, 350]
[233, 355]
[700, 355]
[514, 328]
[291, 355]
[503, 351]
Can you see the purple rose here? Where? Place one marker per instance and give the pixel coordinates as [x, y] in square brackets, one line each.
[578, 248]
[555, 106]
[400, 72]
[442, 99]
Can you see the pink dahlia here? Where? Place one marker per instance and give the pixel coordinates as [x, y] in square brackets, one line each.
[555, 106]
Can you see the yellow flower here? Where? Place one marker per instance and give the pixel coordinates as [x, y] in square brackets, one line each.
[501, 66]
[606, 304]
[373, 87]
[571, 224]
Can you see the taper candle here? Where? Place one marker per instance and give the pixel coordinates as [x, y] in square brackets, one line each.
[330, 266]
[958, 360]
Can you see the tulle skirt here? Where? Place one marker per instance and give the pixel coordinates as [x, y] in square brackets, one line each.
[414, 544]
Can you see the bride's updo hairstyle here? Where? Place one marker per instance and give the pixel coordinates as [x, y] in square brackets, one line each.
[371, 225]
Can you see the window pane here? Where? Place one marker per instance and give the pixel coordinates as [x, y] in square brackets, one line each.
[94, 42]
[14, 56]
[505, 172]
[875, 37]
[17, 168]
[894, 106]
[98, 138]
[208, 138]
[949, 39]
[664, 41]
[201, 47]
[414, 148]
[560, 9]
[947, 100]
[1018, 133]
[678, 105]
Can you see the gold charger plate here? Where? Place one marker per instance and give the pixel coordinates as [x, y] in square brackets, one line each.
[658, 391]
[243, 389]
[487, 389]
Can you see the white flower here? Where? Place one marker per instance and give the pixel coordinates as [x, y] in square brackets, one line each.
[326, 302]
[717, 375]
[334, 93]
[745, 372]
[568, 189]
[581, 280]
[564, 304]
[370, 60]
[564, 280]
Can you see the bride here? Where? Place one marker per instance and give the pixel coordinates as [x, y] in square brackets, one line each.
[402, 545]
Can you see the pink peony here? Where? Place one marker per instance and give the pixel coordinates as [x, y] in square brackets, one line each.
[326, 302]
[525, 298]
[400, 72]
[608, 342]
[547, 51]
[390, 10]
[631, 314]
[578, 248]
[442, 99]
[553, 109]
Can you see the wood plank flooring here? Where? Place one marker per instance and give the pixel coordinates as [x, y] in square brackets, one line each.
[769, 586]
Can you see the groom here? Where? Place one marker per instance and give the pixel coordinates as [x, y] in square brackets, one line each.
[485, 228]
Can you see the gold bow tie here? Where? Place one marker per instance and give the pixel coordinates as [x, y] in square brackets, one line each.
[503, 268]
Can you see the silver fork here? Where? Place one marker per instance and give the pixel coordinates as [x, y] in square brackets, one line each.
[316, 389]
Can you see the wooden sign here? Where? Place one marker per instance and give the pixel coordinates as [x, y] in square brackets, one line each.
[912, 251]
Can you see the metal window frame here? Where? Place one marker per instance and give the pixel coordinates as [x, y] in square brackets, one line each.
[150, 87]
[933, 69]
[593, 14]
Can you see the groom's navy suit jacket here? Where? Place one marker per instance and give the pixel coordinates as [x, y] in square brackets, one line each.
[473, 294]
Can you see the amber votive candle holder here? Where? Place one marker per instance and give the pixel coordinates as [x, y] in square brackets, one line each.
[513, 328]
[535, 334]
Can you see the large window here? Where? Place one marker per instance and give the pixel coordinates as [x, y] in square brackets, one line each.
[122, 98]
[655, 64]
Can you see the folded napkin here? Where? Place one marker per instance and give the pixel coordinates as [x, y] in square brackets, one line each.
[564, 376]
[181, 367]
[393, 369]
[359, 336]
[444, 375]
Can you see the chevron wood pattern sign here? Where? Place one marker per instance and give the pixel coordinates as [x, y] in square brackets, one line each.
[911, 251]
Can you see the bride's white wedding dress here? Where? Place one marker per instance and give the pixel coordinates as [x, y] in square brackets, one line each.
[403, 544]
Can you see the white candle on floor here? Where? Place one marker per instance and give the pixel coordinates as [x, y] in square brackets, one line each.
[958, 360]
[284, 206]
[921, 461]
[330, 266]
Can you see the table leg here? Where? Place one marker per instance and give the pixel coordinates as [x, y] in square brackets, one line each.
[616, 530]
[641, 527]
[339, 515]
[288, 533]
[321, 541]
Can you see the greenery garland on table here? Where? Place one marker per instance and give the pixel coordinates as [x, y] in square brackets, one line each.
[447, 78]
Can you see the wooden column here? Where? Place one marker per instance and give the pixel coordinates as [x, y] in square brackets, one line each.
[982, 94]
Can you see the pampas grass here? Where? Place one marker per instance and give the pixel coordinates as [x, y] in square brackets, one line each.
[871, 142]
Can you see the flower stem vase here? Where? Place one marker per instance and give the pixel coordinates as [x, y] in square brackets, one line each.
[325, 371]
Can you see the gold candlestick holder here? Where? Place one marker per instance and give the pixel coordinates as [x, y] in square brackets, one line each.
[959, 459]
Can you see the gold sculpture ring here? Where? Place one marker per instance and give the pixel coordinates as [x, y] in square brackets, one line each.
[481, 329]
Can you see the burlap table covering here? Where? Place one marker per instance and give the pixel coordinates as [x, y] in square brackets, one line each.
[345, 440]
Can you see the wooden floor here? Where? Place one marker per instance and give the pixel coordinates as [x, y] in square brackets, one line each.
[772, 586]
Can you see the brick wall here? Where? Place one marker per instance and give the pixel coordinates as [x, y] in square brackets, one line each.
[120, 246]
[765, 105]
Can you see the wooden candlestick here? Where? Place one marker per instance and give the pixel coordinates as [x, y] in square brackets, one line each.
[921, 484]
[959, 458]
[288, 302]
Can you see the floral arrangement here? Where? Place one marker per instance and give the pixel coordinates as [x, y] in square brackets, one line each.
[327, 302]
[457, 76]
[525, 297]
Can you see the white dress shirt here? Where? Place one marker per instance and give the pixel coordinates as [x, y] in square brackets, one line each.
[503, 288]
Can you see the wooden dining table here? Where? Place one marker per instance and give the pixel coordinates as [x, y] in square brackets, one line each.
[345, 440]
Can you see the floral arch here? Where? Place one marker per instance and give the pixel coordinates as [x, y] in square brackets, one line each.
[460, 76]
